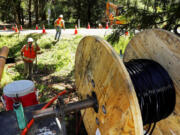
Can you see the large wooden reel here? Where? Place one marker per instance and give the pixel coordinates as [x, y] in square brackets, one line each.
[100, 69]
[163, 47]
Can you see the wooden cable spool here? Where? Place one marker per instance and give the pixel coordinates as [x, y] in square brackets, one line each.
[99, 70]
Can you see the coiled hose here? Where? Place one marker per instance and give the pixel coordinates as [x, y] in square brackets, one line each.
[154, 89]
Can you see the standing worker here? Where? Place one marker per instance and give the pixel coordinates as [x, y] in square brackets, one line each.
[28, 53]
[59, 24]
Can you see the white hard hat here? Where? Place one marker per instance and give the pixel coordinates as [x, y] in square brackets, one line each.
[30, 40]
[61, 16]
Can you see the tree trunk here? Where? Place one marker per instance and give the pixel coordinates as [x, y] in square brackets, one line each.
[77, 6]
[18, 9]
[43, 16]
[22, 16]
[36, 5]
[89, 12]
[43, 12]
[29, 11]
[14, 4]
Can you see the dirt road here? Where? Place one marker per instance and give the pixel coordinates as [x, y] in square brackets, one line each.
[66, 33]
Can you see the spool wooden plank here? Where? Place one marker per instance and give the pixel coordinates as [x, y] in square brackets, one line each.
[3, 55]
[98, 68]
[163, 47]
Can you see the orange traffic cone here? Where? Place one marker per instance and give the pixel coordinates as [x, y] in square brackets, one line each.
[16, 29]
[44, 30]
[36, 27]
[75, 31]
[21, 27]
[126, 33]
[88, 26]
[107, 25]
[5, 28]
[13, 28]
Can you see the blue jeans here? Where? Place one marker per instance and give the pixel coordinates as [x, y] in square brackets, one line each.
[58, 33]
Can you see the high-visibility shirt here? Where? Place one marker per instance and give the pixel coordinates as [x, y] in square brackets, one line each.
[59, 22]
[29, 53]
[111, 17]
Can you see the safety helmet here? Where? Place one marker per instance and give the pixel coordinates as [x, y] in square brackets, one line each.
[61, 16]
[30, 40]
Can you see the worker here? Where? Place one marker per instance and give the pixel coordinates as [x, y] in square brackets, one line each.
[28, 53]
[100, 26]
[59, 24]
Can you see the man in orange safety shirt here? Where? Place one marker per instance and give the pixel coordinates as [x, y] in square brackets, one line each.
[59, 24]
[28, 53]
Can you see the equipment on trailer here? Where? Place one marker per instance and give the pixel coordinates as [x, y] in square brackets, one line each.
[114, 14]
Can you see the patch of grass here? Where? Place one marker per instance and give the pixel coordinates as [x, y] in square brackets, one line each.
[6, 78]
[121, 44]
[45, 42]
[55, 60]
[16, 41]
[62, 54]
[42, 92]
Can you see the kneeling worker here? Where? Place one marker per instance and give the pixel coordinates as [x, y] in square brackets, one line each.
[28, 53]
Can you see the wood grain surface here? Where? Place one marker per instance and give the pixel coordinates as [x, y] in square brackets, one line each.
[3, 52]
[98, 68]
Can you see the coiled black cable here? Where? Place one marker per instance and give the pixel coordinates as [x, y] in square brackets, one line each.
[154, 89]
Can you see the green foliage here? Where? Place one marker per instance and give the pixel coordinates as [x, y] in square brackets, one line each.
[86, 10]
[6, 77]
[15, 42]
[45, 43]
[121, 44]
[145, 14]
[41, 88]
[5, 6]
[62, 53]
[90, 11]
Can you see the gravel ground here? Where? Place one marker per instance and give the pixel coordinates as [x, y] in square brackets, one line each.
[66, 33]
